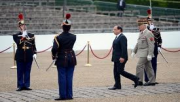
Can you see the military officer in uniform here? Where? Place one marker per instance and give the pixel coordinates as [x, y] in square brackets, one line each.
[63, 53]
[150, 24]
[144, 50]
[26, 50]
[157, 48]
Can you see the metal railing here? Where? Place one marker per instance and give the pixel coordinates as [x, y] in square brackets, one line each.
[83, 31]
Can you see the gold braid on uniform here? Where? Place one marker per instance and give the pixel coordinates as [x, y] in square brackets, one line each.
[30, 39]
[55, 38]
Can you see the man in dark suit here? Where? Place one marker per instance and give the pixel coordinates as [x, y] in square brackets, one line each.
[121, 5]
[63, 52]
[120, 57]
[26, 50]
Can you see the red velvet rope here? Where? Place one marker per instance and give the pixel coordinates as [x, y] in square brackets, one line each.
[51, 47]
[44, 50]
[5, 49]
[81, 51]
[170, 50]
[100, 57]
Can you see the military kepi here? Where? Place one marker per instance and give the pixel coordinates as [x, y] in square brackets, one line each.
[21, 19]
[149, 18]
[66, 25]
[142, 21]
[67, 21]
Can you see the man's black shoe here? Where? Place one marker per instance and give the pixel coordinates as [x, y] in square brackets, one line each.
[149, 84]
[113, 88]
[156, 83]
[19, 89]
[26, 88]
[69, 98]
[136, 82]
[139, 83]
[57, 99]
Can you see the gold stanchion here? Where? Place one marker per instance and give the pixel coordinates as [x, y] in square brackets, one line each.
[88, 64]
[14, 47]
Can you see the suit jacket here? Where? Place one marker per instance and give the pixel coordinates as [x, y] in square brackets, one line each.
[120, 48]
[63, 49]
[145, 44]
[25, 47]
[121, 7]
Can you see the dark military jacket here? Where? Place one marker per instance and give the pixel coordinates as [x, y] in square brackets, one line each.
[63, 51]
[25, 47]
[158, 40]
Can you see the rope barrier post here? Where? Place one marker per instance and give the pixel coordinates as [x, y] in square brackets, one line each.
[14, 67]
[88, 64]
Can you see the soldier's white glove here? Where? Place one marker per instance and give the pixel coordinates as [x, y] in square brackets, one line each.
[35, 56]
[159, 49]
[24, 34]
[149, 57]
[132, 54]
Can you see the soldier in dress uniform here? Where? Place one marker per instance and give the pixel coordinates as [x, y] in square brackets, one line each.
[150, 24]
[26, 50]
[157, 44]
[144, 50]
[157, 48]
[63, 53]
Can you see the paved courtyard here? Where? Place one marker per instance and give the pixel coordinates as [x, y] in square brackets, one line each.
[90, 92]
[91, 83]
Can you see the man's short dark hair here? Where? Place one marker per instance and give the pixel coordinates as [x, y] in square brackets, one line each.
[66, 28]
[120, 28]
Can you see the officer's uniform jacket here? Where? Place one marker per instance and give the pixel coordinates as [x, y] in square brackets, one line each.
[145, 44]
[157, 38]
[158, 41]
[63, 51]
[25, 47]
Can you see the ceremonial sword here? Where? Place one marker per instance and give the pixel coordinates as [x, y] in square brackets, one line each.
[36, 63]
[163, 56]
[51, 64]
